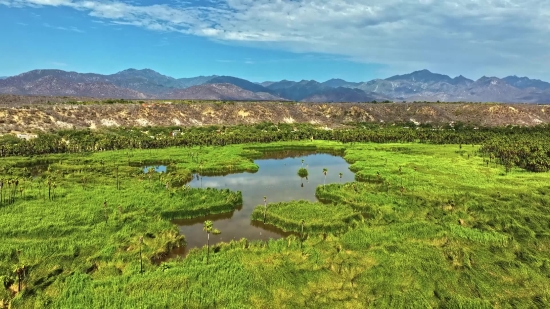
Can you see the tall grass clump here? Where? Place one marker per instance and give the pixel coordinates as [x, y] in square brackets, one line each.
[316, 218]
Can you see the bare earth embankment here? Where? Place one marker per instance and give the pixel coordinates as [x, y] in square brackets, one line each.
[29, 114]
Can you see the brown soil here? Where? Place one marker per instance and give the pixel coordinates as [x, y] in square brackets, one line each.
[30, 114]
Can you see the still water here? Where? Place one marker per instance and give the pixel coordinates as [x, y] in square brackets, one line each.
[156, 168]
[276, 179]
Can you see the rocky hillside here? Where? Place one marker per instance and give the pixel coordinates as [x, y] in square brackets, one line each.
[30, 117]
[223, 91]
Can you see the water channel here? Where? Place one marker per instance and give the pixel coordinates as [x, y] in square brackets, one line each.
[276, 179]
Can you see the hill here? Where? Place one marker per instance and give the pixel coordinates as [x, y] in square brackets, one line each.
[26, 113]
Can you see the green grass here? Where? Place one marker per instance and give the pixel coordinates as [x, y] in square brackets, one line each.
[454, 233]
[317, 218]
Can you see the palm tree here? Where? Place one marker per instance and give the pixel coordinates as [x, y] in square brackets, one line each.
[117, 187]
[325, 173]
[201, 173]
[150, 172]
[340, 174]
[209, 228]
[105, 210]
[19, 271]
[265, 207]
[414, 177]
[302, 162]
[302, 172]
[54, 186]
[140, 256]
[49, 188]
[1, 187]
[302, 222]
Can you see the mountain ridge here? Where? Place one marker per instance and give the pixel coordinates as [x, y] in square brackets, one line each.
[421, 85]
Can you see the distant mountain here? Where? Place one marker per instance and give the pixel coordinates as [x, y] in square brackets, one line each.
[340, 94]
[461, 81]
[193, 81]
[297, 91]
[491, 89]
[524, 82]
[56, 86]
[239, 82]
[336, 82]
[427, 86]
[146, 80]
[223, 91]
[265, 84]
[3, 77]
[422, 76]
[281, 84]
[143, 75]
[152, 82]
[420, 85]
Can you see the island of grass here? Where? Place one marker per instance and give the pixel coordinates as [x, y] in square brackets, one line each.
[314, 217]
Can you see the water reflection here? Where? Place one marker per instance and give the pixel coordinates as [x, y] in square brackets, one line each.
[156, 168]
[276, 179]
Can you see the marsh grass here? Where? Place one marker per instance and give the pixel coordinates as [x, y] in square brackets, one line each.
[318, 218]
[441, 229]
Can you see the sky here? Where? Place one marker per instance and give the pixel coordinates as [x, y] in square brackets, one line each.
[270, 40]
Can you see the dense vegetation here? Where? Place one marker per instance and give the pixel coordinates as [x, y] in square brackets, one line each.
[429, 225]
[527, 147]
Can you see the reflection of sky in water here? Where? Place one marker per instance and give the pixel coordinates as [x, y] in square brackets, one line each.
[158, 168]
[278, 180]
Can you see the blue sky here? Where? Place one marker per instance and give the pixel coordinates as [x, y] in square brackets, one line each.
[278, 39]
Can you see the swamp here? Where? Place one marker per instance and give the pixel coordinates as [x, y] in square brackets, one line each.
[385, 217]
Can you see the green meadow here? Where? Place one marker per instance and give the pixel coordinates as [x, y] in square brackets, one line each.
[422, 226]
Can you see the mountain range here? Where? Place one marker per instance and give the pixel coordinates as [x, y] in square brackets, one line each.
[420, 85]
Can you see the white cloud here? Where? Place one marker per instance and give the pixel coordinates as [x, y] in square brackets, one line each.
[494, 37]
[71, 28]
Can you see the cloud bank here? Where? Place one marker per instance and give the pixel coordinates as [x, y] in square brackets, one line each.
[498, 37]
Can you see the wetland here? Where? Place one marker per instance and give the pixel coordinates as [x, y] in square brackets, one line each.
[277, 180]
[439, 224]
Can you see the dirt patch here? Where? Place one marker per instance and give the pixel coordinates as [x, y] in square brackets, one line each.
[243, 113]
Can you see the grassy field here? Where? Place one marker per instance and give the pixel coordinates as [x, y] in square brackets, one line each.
[441, 228]
[317, 218]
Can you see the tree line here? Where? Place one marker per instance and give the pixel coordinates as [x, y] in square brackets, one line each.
[526, 147]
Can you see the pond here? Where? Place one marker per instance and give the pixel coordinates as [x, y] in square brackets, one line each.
[156, 168]
[276, 179]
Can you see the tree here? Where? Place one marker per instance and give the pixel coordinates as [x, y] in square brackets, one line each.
[340, 174]
[302, 222]
[140, 256]
[19, 270]
[265, 207]
[303, 173]
[209, 228]
[105, 210]
[150, 171]
[325, 173]
[302, 162]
